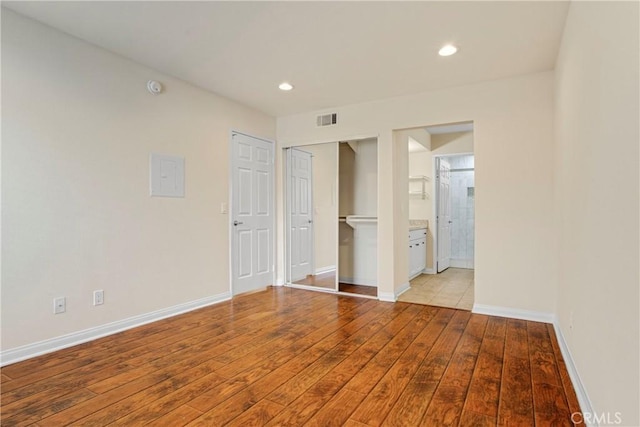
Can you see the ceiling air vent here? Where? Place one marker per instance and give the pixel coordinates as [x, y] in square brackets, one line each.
[327, 119]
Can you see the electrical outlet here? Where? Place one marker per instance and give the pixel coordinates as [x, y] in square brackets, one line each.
[98, 297]
[59, 305]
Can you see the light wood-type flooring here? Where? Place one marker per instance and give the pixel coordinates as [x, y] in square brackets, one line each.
[452, 288]
[294, 357]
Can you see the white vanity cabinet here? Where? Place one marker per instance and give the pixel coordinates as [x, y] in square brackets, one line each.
[417, 251]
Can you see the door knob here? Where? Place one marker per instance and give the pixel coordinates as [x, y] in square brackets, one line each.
[236, 223]
[310, 221]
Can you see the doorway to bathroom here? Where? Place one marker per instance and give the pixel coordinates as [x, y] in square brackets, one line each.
[455, 189]
[445, 159]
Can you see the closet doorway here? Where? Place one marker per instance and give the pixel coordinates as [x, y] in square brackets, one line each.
[331, 217]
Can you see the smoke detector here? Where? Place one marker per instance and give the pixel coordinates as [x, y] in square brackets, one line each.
[155, 87]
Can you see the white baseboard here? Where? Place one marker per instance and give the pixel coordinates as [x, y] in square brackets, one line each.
[28, 351]
[393, 296]
[387, 296]
[514, 313]
[461, 263]
[429, 271]
[279, 282]
[402, 289]
[326, 269]
[578, 386]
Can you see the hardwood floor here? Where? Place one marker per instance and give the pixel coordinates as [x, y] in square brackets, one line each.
[293, 357]
[371, 291]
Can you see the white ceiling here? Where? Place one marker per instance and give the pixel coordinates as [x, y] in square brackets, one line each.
[334, 53]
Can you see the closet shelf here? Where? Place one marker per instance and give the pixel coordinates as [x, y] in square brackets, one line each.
[422, 194]
[422, 181]
[357, 220]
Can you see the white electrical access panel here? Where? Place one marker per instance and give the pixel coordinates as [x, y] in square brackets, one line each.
[166, 175]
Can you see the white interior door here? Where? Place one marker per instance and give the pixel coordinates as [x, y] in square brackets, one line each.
[300, 214]
[251, 213]
[444, 215]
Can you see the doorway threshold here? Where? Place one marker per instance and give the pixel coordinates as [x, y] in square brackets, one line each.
[328, 291]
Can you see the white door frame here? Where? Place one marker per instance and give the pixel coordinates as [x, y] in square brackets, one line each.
[443, 215]
[230, 227]
[287, 209]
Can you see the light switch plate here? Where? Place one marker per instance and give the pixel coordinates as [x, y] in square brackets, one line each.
[59, 305]
[166, 175]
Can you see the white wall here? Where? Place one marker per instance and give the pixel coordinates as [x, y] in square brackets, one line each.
[513, 118]
[346, 180]
[77, 128]
[596, 167]
[396, 203]
[452, 143]
[420, 163]
[366, 178]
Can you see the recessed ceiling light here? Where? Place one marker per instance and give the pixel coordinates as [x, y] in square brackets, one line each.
[447, 50]
[285, 86]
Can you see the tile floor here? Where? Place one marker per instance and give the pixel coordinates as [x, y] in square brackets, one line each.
[452, 288]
